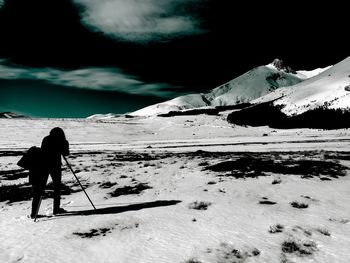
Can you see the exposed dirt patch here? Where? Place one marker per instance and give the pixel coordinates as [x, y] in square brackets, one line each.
[12, 153]
[94, 232]
[130, 190]
[135, 157]
[199, 205]
[299, 248]
[15, 193]
[227, 253]
[14, 174]
[338, 155]
[299, 205]
[107, 184]
[103, 231]
[254, 165]
[66, 189]
[276, 181]
[278, 228]
[323, 231]
[23, 192]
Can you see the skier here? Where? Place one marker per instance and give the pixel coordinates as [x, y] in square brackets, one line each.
[52, 146]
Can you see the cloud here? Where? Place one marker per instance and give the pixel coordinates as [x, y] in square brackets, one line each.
[104, 79]
[141, 20]
[1, 3]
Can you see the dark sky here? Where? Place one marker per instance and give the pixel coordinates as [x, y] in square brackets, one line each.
[181, 45]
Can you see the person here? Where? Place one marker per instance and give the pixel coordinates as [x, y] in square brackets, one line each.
[33, 161]
[53, 146]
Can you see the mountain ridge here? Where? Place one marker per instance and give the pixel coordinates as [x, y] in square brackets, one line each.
[251, 85]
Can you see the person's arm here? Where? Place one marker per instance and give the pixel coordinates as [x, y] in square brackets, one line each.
[65, 149]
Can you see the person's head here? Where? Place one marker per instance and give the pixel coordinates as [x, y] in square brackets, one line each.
[58, 134]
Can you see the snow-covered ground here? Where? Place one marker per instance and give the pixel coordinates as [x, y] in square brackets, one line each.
[165, 192]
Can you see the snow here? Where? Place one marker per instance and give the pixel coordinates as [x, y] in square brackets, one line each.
[253, 84]
[326, 89]
[250, 85]
[302, 74]
[180, 103]
[149, 227]
[306, 74]
[244, 88]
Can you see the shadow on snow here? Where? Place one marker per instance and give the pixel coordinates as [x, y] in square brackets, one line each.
[121, 209]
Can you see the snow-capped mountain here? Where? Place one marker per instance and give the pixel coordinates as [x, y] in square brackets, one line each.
[253, 84]
[10, 115]
[329, 89]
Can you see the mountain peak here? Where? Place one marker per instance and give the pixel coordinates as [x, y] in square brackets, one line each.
[280, 65]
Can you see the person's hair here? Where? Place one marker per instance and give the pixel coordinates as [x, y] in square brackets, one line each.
[58, 133]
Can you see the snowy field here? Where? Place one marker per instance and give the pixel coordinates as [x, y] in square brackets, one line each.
[181, 189]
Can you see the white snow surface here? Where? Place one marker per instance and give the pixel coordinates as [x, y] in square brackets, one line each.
[329, 89]
[180, 103]
[137, 228]
[306, 74]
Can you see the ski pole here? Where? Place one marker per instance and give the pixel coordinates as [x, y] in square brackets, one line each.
[78, 181]
[37, 209]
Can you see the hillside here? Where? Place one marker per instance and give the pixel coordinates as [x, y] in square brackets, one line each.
[253, 84]
[329, 90]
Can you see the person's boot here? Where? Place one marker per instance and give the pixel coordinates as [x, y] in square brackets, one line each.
[59, 211]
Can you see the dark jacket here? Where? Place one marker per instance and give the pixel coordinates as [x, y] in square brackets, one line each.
[33, 161]
[52, 150]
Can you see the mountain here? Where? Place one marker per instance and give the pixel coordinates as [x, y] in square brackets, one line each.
[253, 84]
[321, 102]
[10, 115]
[329, 89]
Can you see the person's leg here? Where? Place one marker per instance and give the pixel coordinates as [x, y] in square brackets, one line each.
[36, 198]
[56, 176]
[38, 187]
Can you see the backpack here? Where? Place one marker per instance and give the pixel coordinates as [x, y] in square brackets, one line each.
[32, 159]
